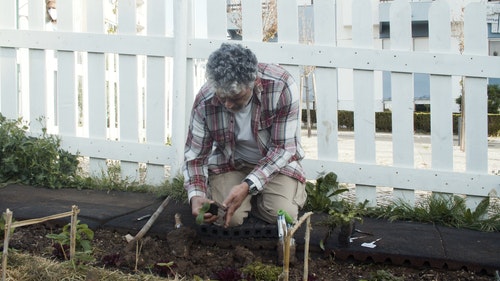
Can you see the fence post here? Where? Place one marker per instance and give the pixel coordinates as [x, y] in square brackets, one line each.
[179, 90]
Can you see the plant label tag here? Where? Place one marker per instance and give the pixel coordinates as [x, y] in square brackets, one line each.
[368, 245]
[371, 244]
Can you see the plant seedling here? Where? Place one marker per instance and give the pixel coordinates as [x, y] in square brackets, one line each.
[212, 208]
[84, 236]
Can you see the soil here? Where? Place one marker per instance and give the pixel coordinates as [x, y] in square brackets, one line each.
[188, 258]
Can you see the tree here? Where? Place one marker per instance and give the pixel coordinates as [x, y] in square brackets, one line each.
[493, 99]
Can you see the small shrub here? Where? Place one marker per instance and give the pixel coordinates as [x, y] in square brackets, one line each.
[342, 214]
[261, 272]
[33, 161]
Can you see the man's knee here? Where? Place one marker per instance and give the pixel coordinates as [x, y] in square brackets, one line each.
[270, 214]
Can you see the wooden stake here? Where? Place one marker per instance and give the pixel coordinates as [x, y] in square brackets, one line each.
[286, 256]
[8, 224]
[306, 249]
[148, 225]
[72, 237]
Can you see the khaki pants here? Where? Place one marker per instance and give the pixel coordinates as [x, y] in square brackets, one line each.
[282, 192]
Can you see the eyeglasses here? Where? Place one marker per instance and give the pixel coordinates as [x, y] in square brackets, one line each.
[232, 99]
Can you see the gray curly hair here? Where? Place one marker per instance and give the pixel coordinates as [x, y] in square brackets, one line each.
[231, 69]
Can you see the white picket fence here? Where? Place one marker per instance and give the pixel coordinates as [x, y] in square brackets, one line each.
[122, 96]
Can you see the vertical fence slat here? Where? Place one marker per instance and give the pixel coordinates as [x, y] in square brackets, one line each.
[37, 69]
[364, 98]
[9, 99]
[476, 98]
[441, 90]
[184, 86]
[217, 19]
[128, 87]
[38, 91]
[251, 12]
[169, 70]
[9, 105]
[193, 67]
[325, 33]
[217, 23]
[179, 91]
[156, 89]
[8, 15]
[476, 43]
[288, 23]
[288, 30]
[402, 94]
[66, 94]
[96, 85]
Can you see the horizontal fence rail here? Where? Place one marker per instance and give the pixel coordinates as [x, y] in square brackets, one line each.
[117, 84]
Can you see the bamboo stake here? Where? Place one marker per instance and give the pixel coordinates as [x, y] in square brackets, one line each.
[306, 249]
[8, 224]
[288, 238]
[286, 256]
[72, 237]
[40, 220]
[137, 252]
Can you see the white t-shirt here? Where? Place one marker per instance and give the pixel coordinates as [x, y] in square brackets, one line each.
[246, 146]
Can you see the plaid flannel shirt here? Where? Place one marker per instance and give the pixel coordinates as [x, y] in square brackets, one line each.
[211, 143]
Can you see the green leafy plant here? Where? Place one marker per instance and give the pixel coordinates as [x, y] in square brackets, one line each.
[83, 239]
[448, 210]
[343, 214]
[262, 272]
[321, 195]
[206, 208]
[34, 161]
[165, 269]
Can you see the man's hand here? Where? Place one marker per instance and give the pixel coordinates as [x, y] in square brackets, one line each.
[234, 199]
[197, 204]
